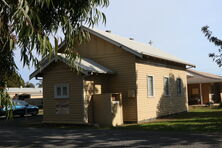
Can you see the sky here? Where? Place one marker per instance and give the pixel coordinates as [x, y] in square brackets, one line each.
[173, 26]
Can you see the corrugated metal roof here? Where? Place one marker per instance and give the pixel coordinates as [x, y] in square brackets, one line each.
[85, 65]
[89, 65]
[135, 47]
[202, 77]
[24, 90]
[205, 74]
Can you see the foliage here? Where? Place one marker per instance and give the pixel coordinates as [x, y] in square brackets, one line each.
[6, 102]
[217, 57]
[15, 80]
[29, 85]
[39, 84]
[220, 105]
[29, 24]
[203, 119]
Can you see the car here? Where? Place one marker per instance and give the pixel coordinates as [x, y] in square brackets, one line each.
[21, 108]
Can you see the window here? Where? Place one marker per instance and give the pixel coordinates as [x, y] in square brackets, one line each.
[61, 91]
[179, 86]
[150, 87]
[166, 86]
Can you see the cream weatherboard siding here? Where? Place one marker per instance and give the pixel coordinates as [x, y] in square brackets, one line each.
[159, 105]
[122, 63]
[58, 73]
[129, 79]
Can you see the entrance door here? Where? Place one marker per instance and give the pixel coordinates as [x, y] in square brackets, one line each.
[194, 94]
[206, 92]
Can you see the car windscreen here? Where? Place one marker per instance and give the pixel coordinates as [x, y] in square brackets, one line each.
[22, 103]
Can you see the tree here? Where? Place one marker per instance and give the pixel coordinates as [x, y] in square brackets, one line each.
[29, 24]
[15, 80]
[39, 84]
[29, 85]
[217, 57]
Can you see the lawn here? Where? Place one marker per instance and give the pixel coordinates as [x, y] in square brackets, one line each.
[197, 119]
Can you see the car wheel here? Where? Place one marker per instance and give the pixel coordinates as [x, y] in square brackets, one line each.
[35, 113]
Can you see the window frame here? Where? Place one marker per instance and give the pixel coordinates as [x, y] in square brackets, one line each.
[181, 88]
[61, 87]
[167, 95]
[148, 96]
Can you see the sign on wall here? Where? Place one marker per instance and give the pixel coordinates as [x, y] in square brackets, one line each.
[62, 108]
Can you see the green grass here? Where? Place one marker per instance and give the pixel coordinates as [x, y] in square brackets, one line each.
[204, 119]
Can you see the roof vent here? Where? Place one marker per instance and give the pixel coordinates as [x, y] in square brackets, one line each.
[109, 31]
[150, 43]
[131, 38]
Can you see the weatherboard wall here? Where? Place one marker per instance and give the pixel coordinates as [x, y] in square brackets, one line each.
[122, 63]
[58, 73]
[149, 107]
[130, 79]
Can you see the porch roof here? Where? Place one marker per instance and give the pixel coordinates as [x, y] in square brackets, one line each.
[84, 65]
[195, 77]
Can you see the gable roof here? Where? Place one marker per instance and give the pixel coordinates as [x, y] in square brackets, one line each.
[85, 65]
[134, 47]
[202, 77]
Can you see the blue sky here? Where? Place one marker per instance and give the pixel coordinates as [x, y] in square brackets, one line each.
[173, 25]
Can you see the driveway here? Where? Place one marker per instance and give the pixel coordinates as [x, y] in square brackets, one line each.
[13, 134]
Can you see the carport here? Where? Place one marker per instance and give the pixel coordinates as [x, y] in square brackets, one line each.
[204, 88]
